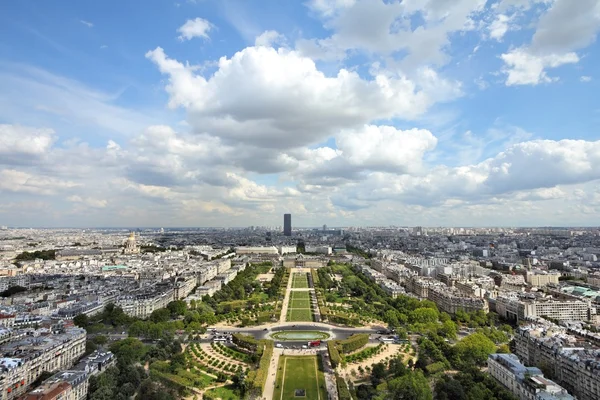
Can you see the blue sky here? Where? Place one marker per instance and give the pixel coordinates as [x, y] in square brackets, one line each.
[344, 112]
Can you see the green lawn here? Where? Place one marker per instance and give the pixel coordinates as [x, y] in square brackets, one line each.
[299, 315]
[300, 281]
[300, 335]
[300, 303]
[223, 393]
[299, 307]
[299, 373]
[300, 296]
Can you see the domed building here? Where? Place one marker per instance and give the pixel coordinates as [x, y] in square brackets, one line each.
[130, 245]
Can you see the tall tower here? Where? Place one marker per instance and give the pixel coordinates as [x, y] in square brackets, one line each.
[287, 224]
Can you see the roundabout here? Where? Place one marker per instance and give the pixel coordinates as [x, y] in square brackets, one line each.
[299, 335]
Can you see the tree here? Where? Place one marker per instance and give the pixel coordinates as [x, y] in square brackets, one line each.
[412, 386]
[160, 315]
[100, 340]
[449, 389]
[177, 361]
[239, 382]
[378, 373]
[424, 315]
[448, 329]
[473, 350]
[177, 307]
[128, 351]
[82, 321]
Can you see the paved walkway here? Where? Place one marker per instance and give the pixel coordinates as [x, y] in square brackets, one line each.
[272, 375]
[286, 299]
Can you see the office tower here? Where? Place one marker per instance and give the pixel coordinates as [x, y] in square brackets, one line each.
[287, 224]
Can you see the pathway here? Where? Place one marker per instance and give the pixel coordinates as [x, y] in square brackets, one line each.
[272, 374]
[286, 299]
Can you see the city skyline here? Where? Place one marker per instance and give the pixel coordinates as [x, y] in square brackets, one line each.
[217, 113]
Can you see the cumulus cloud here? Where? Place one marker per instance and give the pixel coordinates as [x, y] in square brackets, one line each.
[524, 68]
[12, 180]
[563, 29]
[386, 28]
[269, 39]
[89, 201]
[195, 28]
[278, 98]
[17, 142]
[535, 167]
[499, 27]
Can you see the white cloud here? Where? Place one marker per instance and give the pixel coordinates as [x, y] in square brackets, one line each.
[564, 28]
[534, 167]
[524, 68]
[585, 79]
[387, 28]
[19, 141]
[12, 180]
[88, 201]
[328, 8]
[198, 27]
[279, 99]
[269, 39]
[499, 27]
[567, 26]
[86, 23]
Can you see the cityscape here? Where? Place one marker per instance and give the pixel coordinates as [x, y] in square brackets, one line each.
[300, 200]
[283, 312]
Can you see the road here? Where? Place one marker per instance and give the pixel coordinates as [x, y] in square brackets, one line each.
[335, 332]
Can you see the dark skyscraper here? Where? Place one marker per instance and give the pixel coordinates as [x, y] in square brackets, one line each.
[287, 224]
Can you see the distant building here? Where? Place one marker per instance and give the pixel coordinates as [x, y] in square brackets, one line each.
[256, 250]
[287, 249]
[519, 309]
[130, 245]
[287, 224]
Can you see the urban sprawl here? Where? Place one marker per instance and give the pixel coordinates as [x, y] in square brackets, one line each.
[313, 313]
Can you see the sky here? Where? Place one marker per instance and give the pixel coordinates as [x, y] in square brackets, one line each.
[202, 113]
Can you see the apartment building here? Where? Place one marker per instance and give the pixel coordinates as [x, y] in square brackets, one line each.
[575, 364]
[541, 278]
[451, 300]
[24, 360]
[526, 383]
[519, 309]
[257, 250]
[420, 286]
[144, 302]
[184, 286]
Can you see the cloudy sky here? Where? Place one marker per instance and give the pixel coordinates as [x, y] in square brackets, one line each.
[342, 112]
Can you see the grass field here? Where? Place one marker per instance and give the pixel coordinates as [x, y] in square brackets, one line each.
[299, 315]
[224, 393]
[299, 307]
[300, 303]
[300, 281]
[300, 335]
[299, 373]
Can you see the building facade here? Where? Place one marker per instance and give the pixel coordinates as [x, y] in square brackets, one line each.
[287, 224]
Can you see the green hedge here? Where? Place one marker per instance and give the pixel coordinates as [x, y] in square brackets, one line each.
[245, 342]
[353, 343]
[334, 354]
[256, 379]
[343, 392]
